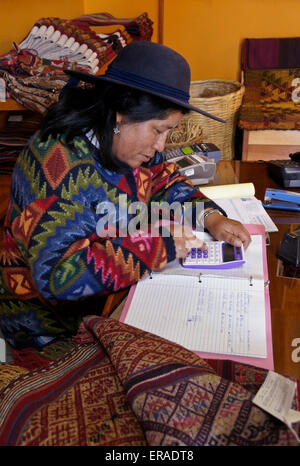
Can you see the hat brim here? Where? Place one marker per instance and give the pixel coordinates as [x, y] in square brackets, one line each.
[95, 79]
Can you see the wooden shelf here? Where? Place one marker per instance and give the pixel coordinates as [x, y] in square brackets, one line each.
[10, 105]
[4, 195]
[270, 144]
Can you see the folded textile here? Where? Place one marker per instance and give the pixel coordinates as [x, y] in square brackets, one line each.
[33, 70]
[271, 100]
[140, 27]
[34, 92]
[122, 386]
[271, 53]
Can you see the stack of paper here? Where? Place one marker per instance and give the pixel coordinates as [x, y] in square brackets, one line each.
[240, 204]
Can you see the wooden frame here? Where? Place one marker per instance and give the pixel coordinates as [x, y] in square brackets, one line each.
[270, 144]
[161, 7]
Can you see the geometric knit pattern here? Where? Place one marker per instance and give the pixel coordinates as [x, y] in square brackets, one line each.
[127, 387]
[56, 265]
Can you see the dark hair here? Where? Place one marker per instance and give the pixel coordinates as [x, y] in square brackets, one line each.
[94, 108]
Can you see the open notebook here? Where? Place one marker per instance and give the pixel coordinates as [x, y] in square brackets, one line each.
[222, 314]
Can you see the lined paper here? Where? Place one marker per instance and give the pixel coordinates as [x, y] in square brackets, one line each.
[215, 316]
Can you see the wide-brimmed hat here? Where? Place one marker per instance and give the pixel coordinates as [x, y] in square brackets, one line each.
[149, 67]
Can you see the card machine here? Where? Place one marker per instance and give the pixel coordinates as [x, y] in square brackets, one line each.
[289, 249]
[191, 163]
[286, 172]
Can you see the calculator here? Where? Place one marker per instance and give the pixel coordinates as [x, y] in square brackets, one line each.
[218, 255]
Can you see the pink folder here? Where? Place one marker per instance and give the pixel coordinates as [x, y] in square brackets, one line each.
[265, 363]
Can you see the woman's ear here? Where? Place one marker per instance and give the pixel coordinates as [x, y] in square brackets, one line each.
[118, 118]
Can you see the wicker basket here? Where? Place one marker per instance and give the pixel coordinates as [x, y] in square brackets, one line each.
[220, 98]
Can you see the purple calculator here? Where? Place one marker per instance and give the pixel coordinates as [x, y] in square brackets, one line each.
[218, 255]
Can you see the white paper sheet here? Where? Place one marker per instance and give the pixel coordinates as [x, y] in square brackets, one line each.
[215, 316]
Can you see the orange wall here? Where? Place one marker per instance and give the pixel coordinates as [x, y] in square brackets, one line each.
[209, 33]
[18, 16]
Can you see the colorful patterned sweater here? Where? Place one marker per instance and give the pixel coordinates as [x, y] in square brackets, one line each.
[54, 263]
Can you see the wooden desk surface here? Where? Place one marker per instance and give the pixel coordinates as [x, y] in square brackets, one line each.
[284, 292]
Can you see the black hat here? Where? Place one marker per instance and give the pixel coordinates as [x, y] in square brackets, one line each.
[150, 67]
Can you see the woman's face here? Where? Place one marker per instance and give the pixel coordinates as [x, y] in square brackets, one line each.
[137, 142]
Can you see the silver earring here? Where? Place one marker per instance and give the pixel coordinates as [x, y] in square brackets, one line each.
[116, 130]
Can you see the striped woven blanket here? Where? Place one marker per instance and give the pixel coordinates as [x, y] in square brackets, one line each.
[122, 386]
[271, 53]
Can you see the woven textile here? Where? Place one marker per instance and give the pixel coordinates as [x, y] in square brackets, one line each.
[140, 28]
[271, 53]
[54, 44]
[271, 100]
[124, 386]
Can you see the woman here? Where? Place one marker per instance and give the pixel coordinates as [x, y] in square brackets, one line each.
[99, 144]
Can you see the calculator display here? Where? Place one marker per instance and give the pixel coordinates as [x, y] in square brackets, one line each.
[228, 252]
[185, 162]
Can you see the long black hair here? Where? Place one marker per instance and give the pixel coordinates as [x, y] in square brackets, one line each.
[94, 108]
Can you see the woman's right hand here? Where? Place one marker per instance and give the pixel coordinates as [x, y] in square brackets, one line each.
[184, 239]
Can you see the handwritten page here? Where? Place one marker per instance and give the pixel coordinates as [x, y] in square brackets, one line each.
[215, 316]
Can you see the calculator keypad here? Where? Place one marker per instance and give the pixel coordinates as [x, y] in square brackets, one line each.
[217, 255]
[210, 256]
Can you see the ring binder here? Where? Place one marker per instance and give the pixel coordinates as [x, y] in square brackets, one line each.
[218, 303]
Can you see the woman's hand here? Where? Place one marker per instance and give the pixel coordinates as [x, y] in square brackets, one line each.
[184, 239]
[226, 229]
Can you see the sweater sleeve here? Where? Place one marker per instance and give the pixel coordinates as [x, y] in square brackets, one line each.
[169, 186]
[69, 261]
[57, 233]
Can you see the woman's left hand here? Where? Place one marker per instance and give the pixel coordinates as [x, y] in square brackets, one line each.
[226, 229]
